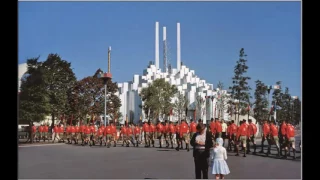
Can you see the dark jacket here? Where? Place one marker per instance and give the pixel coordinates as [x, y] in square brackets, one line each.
[208, 143]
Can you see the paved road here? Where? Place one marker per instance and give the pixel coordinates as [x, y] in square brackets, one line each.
[75, 162]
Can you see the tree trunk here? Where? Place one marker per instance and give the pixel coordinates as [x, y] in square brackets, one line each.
[52, 119]
[30, 132]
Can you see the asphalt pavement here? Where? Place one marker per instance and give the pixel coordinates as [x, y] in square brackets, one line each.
[55, 161]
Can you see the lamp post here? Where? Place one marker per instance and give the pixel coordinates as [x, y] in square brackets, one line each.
[236, 102]
[105, 77]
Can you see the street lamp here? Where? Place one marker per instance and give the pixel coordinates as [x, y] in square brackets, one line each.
[105, 77]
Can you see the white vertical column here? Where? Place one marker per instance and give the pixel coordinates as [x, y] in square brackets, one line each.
[178, 47]
[164, 34]
[157, 46]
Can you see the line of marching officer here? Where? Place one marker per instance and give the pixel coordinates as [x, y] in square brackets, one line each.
[245, 134]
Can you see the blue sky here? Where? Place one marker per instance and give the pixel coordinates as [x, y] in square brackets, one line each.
[212, 34]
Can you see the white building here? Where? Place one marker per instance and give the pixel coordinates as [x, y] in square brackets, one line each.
[186, 80]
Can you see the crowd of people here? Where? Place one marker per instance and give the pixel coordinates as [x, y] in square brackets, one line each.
[169, 134]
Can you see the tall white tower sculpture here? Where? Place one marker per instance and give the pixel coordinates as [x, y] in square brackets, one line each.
[178, 47]
[165, 58]
[156, 59]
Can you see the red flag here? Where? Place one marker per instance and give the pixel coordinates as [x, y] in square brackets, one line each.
[271, 109]
[171, 112]
[194, 114]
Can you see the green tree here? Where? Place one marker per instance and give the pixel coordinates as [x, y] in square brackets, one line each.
[277, 100]
[180, 105]
[33, 99]
[261, 101]
[157, 98]
[284, 113]
[58, 79]
[223, 101]
[296, 114]
[86, 97]
[240, 87]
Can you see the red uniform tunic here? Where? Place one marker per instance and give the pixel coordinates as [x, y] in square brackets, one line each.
[252, 129]
[73, 129]
[93, 129]
[56, 129]
[193, 127]
[87, 130]
[159, 128]
[283, 129]
[77, 129]
[82, 128]
[213, 127]
[166, 128]
[234, 129]
[274, 130]
[172, 129]
[46, 129]
[184, 128]
[34, 129]
[266, 129]
[178, 128]
[40, 129]
[242, 131]
[290, 131]
[129, 131]
[113, 129]
[218, 127]
[108, 130]
[136, 130]
[61, 130]
[152, 128]
[100, 132]
[145, 127]
[68, 129]
[124, 130]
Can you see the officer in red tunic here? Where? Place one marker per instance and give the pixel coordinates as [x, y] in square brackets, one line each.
[146, 130]
[184, 130]
[130, 135]
[100, 136]
[290, 140]
[124, 135]
[92, 135]
[218, 129]
[152, 131]
[178, 137]
[40, 130]
[252, 130]
[166, 133]
[172, 131]
[265, 134]
[274, 132]
[34, 133]
[242, 136]
[136, 131]
[159, 129]
[86, 135]
[233, 135]
[109, 135]
[282, 136]
[213, 128]
[46, 133]
[193, 128]
[77, 133]
[114, 134]
[61, 133]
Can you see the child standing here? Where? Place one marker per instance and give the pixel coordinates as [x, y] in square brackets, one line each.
[218, 157]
